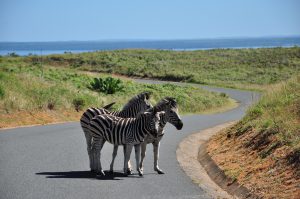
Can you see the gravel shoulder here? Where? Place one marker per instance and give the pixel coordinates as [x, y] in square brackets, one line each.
[187, 156]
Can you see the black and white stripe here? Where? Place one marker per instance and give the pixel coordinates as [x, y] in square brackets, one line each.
[121, 131]
[170, 107]
[135, 105]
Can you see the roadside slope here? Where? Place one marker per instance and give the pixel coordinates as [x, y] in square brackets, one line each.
[262, 151]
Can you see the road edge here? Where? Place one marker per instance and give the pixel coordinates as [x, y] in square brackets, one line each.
[197, 164]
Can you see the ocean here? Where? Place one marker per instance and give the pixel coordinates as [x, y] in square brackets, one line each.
[45, 48]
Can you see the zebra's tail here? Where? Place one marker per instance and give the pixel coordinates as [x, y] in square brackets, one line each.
[108, 106]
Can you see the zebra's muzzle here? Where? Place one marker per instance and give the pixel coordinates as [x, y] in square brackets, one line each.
[179, 125]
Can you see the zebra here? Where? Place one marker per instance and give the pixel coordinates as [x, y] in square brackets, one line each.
[135, 105]
[169, 106]
[172, 116]
[121, 131]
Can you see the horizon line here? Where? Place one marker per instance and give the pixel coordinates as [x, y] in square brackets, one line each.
[171, 39]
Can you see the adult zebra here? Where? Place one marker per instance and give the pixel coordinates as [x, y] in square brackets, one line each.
[121, 131]
[169, 106]
[135, 105]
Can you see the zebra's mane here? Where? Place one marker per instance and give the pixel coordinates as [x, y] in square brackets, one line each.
[166, 100]
[136, 98]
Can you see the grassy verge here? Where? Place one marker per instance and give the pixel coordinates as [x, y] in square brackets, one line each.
[237, 68]
[31, 94]
[262, 151]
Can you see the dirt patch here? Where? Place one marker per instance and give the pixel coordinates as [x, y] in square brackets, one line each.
[256, 161]
[25, 118]
[187, 156]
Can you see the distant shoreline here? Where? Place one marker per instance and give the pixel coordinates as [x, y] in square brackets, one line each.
[46, 48]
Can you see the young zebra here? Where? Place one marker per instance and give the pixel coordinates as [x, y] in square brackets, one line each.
[121, 131]
[137, 104]
[172, 116]
[169, 106]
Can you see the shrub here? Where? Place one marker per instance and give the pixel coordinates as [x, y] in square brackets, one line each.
[78, 103]
[107, 85]
[13, 54]
[224, 95]
[51, 104]
[255, 112]
[2, 92]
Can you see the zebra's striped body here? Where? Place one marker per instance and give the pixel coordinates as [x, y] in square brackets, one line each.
[169, 106]
[137, 104]
[121, 131]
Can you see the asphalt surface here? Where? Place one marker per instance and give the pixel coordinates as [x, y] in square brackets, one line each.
[51, 161]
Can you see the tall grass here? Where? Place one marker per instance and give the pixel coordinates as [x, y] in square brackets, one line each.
[277, 114]
[30, 89]
[225, 67]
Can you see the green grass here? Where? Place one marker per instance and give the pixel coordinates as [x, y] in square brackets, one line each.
[276, 114]
[32, 88]
[239, 68]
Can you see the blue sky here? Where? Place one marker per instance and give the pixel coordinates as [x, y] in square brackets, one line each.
[65, 20]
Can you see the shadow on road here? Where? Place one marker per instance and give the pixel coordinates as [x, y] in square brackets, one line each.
[84, 174]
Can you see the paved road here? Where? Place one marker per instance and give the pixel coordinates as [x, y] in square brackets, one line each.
[51, 161]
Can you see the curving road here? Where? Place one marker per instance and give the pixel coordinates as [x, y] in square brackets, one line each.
[51, 161]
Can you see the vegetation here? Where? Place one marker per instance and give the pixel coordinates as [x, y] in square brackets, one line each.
[239, 68]
[40, 89]
[277, 113]
[107, 85]
[78, 103]
[262, 151]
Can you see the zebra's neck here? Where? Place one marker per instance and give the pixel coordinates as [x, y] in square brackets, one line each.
[132, 111]
[140, 129]
[163, 120]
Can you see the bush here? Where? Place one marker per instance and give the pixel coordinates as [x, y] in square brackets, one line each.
[224, 95]
[13, 54]
[51, 104]
[2, 92]
[107, 85]
[78, 103]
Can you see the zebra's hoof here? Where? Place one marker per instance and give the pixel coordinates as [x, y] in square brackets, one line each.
[100, 173]
[125, 174]
[93, 171]
[140, 173]
[129, 172]
[111, 172]
[160, 171]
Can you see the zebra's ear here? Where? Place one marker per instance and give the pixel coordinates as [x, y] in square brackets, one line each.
[172, 101]
[165, 100]
[147, 95]
[154, 110]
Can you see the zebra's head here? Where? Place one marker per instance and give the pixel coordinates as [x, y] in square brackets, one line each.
[170, 107]
[137, 104]
[152, 119]
[145, 103]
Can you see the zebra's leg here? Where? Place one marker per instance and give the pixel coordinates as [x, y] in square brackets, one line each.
[156, 156]
[97, 146]
[129, 167]
[137, 149]
[88, 138]
[143, 154]
[128, 149]
[113, 159]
